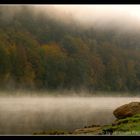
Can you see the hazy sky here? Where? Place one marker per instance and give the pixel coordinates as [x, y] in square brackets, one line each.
[88, 10]
[124, 15]
[93, 10]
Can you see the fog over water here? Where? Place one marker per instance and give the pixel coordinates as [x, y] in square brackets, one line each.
[26, 115]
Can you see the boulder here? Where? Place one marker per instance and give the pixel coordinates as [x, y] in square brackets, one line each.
[127, 110]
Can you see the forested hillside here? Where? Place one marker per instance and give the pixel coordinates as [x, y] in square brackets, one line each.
[39, 52]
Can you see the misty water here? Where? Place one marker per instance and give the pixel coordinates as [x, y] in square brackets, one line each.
[26, 115]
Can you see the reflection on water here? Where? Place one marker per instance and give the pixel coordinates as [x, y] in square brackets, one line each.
[26, 115]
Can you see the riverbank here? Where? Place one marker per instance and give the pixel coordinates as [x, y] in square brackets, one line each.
[127, 126]
[127, 123]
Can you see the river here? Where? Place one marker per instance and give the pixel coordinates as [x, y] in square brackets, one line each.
[26, 115]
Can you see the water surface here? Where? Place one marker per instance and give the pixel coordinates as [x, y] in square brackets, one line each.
[25, 115]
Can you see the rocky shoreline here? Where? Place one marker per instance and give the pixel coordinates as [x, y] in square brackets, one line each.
[127, 123]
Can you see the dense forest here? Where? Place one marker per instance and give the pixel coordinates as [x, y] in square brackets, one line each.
[39, 52]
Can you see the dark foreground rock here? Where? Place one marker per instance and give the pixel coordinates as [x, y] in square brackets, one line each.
[127, 110]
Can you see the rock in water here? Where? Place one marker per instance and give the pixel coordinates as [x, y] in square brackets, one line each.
[127, 110]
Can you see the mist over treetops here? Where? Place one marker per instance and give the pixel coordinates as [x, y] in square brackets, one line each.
[38, 51]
